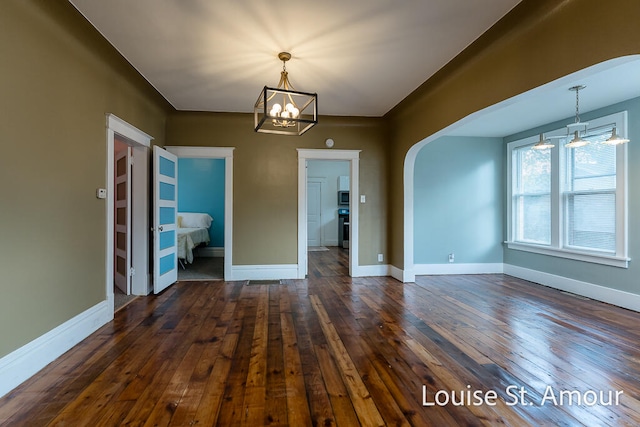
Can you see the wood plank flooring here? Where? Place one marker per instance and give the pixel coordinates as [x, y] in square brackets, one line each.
[331, 350]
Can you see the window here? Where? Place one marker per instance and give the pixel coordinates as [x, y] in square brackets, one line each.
[570, 202]
[532, 195]
[590, 194]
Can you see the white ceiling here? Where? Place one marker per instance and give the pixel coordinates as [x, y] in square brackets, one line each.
[362, 57]
[607, 83]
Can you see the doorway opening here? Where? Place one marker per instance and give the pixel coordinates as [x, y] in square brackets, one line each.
[201, 185]
[132, 261]
[123, 197]
[215, 260]
[310, 220]
[328, 192]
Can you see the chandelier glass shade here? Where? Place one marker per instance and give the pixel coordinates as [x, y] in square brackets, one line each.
[615, 139]
[284, 110]
[543, 144]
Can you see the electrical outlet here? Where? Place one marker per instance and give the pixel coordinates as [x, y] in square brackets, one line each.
[380, 258]
[451, 257]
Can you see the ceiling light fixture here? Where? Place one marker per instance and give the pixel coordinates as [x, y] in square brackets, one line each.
[577, 140]
[615, 139]
[543, 144]
[283, 110]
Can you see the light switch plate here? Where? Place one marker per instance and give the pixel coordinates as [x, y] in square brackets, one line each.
[101, 193]
[363, 198]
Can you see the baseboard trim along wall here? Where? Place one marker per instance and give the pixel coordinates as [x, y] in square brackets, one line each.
[211, 252]
[437, 269]
[372, 270]
[264, 272]
[596, 292]
[19, 365]
[404, 276]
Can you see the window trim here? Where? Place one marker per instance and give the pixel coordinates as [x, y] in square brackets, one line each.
[557, 246]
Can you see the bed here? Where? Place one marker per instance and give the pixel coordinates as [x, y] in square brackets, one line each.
[193, 230]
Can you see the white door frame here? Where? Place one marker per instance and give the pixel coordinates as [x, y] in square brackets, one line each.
[353, 156]
[225, 153]
[141, 142]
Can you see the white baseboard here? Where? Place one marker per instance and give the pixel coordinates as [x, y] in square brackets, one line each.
[404, 276]
[371, 270]
[452, 268]
[597, 292]
[264, 272]
[19, 365]
[210, 252]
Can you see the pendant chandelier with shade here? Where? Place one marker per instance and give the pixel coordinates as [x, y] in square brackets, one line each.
[284, 110]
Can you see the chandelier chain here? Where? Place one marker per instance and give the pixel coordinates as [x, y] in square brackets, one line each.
[577, 105]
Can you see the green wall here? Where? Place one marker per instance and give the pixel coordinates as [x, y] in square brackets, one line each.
[265, 179]
[458, 204]
[58, 79]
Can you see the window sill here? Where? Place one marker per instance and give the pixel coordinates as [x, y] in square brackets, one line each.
[614, 261]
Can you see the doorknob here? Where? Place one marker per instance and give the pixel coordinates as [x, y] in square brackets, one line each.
[160, 228]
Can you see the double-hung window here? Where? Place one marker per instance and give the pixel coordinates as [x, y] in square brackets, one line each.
[570, 202]
[532, 195]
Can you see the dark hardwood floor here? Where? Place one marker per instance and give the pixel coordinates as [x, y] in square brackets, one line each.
[332, 350]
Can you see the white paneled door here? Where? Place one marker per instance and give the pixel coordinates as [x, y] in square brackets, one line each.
[165, 197]
[314, 208]
[122, 228]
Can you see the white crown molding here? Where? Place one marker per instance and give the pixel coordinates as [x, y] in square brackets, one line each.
[200, 152]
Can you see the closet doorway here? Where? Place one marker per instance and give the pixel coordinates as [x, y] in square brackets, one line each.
[127, 252]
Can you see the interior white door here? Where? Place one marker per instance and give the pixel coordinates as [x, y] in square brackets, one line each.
[314, 209]
[165, 207]
[122, 226]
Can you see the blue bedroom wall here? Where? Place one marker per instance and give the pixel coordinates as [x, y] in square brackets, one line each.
[201, 189]
[459, 200]
[624, 279]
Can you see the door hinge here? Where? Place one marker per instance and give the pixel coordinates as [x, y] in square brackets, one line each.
[130, 160]
[132, 271]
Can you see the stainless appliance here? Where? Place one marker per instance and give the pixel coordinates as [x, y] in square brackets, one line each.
[343, 227]
[343, 198]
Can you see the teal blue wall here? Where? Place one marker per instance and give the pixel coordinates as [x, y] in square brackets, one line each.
[625, 279]
[201, 189]
[459, 201]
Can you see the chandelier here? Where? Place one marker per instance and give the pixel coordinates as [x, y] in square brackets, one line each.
[574, 129]
[283, 110]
